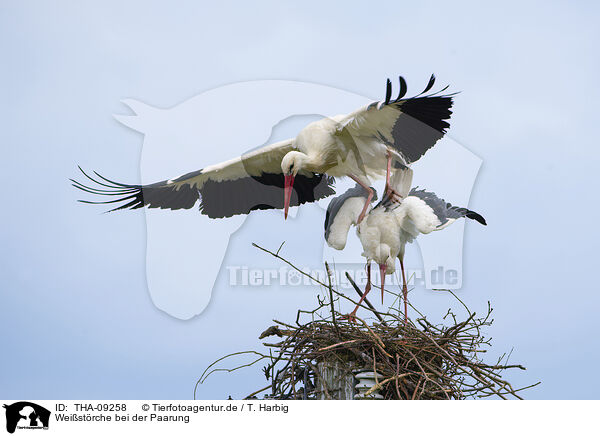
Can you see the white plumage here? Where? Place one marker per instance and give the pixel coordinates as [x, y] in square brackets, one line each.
[360, 145]
[390, 225]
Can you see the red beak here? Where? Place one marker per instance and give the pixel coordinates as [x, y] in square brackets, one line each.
[382, 269]
[287, 193]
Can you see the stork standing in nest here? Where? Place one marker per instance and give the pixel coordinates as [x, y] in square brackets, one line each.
[362, 145]
[395, 221]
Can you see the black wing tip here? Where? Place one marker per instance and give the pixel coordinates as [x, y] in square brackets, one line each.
[388, 91]
[403, 88]
[423, 94]
[467, 213]
[156, 195]
[461, 211]
[429, 84]
[131, 194]
[476, 217]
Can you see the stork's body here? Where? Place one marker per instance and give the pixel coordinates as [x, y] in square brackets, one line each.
[324, 147]
[328, 150]
[361, 145]
[391, 224]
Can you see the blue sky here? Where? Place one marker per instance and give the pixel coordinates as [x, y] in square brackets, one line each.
[75, 310]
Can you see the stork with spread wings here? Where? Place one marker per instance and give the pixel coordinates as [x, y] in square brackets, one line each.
[363, 145]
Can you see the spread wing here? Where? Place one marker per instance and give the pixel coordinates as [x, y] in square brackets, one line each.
[342, 213]
[250, 182]
[411, 126]
[425, 203]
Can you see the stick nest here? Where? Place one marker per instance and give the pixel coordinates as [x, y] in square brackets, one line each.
[413, 360]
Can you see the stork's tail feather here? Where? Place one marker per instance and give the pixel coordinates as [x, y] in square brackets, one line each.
[400, 183]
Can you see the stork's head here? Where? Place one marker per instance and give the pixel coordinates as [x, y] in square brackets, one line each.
[382, 254]
[291, 163]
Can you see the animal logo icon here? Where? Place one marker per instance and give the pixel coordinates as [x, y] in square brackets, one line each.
[24, 414]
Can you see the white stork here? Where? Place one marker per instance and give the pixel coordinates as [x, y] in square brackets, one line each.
[361, 145]
[390, 225]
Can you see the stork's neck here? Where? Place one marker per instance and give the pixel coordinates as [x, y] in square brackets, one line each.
[309, 161]
[321, 160]
[383, 253]
[313, 162]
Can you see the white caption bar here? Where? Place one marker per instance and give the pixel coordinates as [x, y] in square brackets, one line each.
[151, 417]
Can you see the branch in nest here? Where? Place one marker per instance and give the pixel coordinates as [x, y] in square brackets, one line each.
[415, 361]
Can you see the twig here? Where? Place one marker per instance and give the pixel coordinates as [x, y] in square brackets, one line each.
[331, 298]
[339, 344]
[256, 392]
[425, 360]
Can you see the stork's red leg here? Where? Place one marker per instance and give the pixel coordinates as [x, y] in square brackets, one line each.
[404, 291]
[369, 198]
[352, 315]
